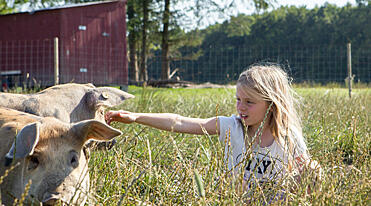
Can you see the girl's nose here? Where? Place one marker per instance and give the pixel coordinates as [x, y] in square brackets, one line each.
[241, 107]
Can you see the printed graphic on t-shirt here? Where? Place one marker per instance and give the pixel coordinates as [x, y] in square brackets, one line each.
[262, 166]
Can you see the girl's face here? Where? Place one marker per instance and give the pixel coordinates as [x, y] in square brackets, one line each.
[251, 110]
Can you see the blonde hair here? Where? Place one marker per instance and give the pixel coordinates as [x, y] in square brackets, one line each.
[271, 84]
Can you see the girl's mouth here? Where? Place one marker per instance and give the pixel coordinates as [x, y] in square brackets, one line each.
[243, 116]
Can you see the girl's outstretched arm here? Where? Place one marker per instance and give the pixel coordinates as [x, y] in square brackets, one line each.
[166, 121]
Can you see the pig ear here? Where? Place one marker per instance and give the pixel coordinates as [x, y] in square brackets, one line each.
[24, 143]
[96, 130]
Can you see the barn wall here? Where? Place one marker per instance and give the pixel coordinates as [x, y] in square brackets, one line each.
[30, 26]
[26, 46]
[92, 44]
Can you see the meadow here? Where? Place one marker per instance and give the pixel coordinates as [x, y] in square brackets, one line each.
[152, 167]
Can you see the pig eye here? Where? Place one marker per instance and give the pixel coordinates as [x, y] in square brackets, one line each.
[105, 95]
[74, 159]
[33, 162]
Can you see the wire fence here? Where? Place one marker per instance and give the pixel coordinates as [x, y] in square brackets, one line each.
[23, 60]
[27, 62]
[30, 62]
[316, 64]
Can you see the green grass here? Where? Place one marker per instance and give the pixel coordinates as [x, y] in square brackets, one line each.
[150, 166]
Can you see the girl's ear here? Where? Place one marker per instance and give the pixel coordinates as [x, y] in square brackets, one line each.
[271, 109]
[271, 105]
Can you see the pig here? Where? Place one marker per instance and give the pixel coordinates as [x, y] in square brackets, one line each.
[69, 102]
[46, 156]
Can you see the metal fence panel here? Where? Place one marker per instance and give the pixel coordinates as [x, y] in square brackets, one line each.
[304, 64]
[27, 62]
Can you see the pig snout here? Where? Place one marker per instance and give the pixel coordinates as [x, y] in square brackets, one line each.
[57, 198]
[60, 190]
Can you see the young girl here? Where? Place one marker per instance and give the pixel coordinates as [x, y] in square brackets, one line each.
[264, 138]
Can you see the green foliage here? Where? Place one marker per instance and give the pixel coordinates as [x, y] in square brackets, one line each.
[7, 7]
[149, 166]
[4, 8]
[310, 42]
[328, 25]
[239, 25]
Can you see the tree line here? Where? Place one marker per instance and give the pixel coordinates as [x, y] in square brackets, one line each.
[319, 33]
[286, 35]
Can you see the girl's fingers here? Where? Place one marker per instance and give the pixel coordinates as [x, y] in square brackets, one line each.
[108, 114]
[120, 115]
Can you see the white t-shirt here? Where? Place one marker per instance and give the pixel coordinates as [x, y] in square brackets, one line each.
[265, 163]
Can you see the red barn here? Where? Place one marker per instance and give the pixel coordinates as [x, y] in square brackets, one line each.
[91, 45]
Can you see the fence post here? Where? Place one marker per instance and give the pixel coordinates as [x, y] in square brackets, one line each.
[349, 65]
[56, 61]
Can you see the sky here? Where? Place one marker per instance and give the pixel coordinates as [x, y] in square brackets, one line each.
[313, 3]
[248, 8]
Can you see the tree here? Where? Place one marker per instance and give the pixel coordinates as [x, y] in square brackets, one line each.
[133, 38]
[202, 6]
[165, 65]
[143, 75]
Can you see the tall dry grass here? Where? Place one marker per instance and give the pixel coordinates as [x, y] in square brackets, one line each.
[153, 167]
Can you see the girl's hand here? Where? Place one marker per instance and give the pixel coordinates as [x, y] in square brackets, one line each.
[312, 169]
[120, 116]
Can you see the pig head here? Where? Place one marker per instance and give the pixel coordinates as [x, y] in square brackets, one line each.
[67, 102]
[46, 158]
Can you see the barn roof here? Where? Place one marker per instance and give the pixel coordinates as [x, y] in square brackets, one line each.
[65, 6]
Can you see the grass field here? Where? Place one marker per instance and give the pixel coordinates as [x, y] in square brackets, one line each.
[154, 167]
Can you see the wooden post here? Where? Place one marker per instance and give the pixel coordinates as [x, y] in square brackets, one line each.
[56, 61]
[350, 76]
